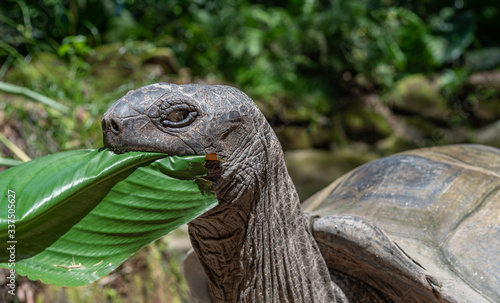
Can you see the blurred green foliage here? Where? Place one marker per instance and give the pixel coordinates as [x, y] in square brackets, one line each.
[393, 74]
[306, 62]
[297, 49]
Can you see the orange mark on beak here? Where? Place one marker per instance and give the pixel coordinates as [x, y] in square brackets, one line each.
[211, 157]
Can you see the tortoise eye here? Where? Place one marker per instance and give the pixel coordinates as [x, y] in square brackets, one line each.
[178, 116]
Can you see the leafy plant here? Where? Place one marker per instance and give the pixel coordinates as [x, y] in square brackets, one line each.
[73, 217]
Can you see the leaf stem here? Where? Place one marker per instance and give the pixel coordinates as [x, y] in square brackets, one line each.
[16, 150]
[19, 90]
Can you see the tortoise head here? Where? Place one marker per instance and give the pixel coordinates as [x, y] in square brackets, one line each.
[258, 209]
[188, 119]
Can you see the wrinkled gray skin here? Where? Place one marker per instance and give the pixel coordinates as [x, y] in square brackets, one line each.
[256, 245]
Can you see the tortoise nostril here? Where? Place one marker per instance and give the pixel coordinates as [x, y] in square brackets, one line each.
[110, 124]
[114, 126]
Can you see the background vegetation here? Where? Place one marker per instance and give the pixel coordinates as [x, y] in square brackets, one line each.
[376, 76]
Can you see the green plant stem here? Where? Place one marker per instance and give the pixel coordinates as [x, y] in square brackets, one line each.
[9, 162]
[18, 90]
[16, 150]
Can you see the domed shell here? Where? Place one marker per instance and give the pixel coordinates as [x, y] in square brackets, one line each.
[441, 205]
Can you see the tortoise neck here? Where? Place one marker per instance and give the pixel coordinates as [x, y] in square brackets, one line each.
[256, 245]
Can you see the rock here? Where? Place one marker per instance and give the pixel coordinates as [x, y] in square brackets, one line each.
[483, 101]
[487, 110]
[364, 124]
[293, 137]
[420, 127]
[482, 59]
[394, 144]
[164, 58]
[488, 79]
[489, 135]
[366, 119]
[415, 94]
[312, 170]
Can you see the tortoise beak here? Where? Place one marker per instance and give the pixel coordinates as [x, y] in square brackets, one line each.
[114, 131]
[125, 129]
[132, 133]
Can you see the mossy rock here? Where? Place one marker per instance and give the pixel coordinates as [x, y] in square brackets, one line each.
[486, 110]
[416, 94]
[294, 137]
[483, 99]
[394, 144]
[482, 59]
[489, 135]
[163, 57]
[327, 133]
[363, 124]
[312, 170]
[424, 126]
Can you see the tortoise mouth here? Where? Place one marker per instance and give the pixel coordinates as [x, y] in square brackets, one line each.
[118, 150]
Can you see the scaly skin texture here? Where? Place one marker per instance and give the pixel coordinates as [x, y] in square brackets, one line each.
[256, 245]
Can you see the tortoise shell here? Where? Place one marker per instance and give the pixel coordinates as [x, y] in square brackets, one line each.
[440, 205]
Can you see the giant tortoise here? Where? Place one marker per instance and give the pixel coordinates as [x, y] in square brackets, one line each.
[420, 226]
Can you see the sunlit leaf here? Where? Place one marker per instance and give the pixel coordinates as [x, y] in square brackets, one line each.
[81, 214]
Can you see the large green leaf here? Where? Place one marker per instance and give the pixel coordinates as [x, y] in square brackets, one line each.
[80, 214]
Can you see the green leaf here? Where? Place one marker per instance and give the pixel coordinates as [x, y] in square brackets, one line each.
[80, 214]
[454, 33]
